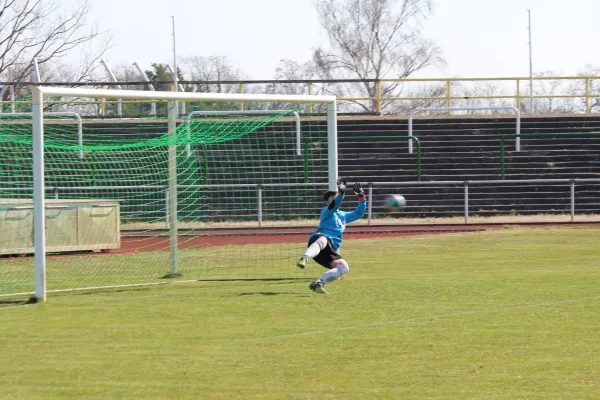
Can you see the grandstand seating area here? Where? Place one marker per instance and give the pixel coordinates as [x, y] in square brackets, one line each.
[463, 148]
[466, 148]
[452, 148]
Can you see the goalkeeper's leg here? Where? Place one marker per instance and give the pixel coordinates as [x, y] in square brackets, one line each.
[339, 268]
[312, 251]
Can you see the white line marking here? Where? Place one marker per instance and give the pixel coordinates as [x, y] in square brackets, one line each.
[20, 306]
[315, 332]
[405, 320]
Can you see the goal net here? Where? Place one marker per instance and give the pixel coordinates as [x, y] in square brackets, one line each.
[204, 196]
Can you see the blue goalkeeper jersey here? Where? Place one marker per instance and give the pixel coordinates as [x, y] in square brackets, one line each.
[333, 221]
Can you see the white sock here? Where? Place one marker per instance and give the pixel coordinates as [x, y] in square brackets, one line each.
[334, 273]
[314, 249]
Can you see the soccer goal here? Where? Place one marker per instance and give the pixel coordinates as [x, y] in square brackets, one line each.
[126, 202]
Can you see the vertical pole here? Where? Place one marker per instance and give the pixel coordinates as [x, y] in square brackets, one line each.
[175, 85]
[172, 126]
[167, 208]
[13, 106]
[531, 106]
[260, 202]
[102, 104]
[36, 71]
[306, 162]
[572, 200]
[449, 95]
[114, 79]
[466, 202]
[378, 108]
[410, 131]
[370, 204]
[172, 210]
[241, 92]
[587, 95]
[79, 134]
[518, 131]
[145, 78]
[11, 92]
[39, 223]
[310, 89]
[332, 149]
[519, 94]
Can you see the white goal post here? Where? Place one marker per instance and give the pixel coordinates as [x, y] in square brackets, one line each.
[40, 93]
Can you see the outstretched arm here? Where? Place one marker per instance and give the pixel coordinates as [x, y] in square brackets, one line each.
[335, 204]
[362, 204]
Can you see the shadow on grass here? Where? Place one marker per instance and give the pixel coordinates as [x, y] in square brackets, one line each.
[17, 302]
[131, 289]
[273, 294]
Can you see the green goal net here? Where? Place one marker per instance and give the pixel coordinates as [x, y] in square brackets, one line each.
[131, 202]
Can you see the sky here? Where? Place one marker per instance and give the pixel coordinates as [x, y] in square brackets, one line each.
[478, 38]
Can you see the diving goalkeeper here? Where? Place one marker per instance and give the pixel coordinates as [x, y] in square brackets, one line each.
[324, 243]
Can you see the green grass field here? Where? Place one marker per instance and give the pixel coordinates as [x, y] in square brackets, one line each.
[507, 314]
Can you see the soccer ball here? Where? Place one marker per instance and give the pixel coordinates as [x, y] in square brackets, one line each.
[395, 202]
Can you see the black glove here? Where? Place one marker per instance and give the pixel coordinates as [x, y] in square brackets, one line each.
[341, 184]
[359, 191]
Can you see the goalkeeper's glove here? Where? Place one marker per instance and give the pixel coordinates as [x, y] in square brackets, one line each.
[341, 185]
[359, 191]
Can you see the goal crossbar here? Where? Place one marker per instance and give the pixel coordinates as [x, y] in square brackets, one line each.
[43, 91]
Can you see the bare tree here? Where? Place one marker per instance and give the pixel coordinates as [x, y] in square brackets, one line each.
[213, 68]
[290, 70]
[469, 95]
[373, 39]
[554, 90]
[47, 31]
[593, 87]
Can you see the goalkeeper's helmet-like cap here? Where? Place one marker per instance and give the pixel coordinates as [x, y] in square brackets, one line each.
[328, 194]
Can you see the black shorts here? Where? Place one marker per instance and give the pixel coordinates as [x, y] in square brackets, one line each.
[327, 256]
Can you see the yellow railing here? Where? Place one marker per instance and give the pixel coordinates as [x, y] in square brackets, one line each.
[450, 92]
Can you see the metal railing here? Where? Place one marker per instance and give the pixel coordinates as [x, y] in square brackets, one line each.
[452, 92]
[258, 189]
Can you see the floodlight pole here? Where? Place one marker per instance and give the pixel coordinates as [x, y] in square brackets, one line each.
[150, 85]
[36, 71]
[114, 79]
[179, 87]
[531, 106]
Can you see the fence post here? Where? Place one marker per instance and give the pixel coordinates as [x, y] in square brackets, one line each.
[370, 204]
[587, 95]
[466, 183]
[378, 99]
[449, 95]
[167, 209]
[572, 200]
[241, 92]
[310, 89]
[260, 210]
[519, 94]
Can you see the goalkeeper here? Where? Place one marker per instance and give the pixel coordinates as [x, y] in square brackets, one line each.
[324, 243]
